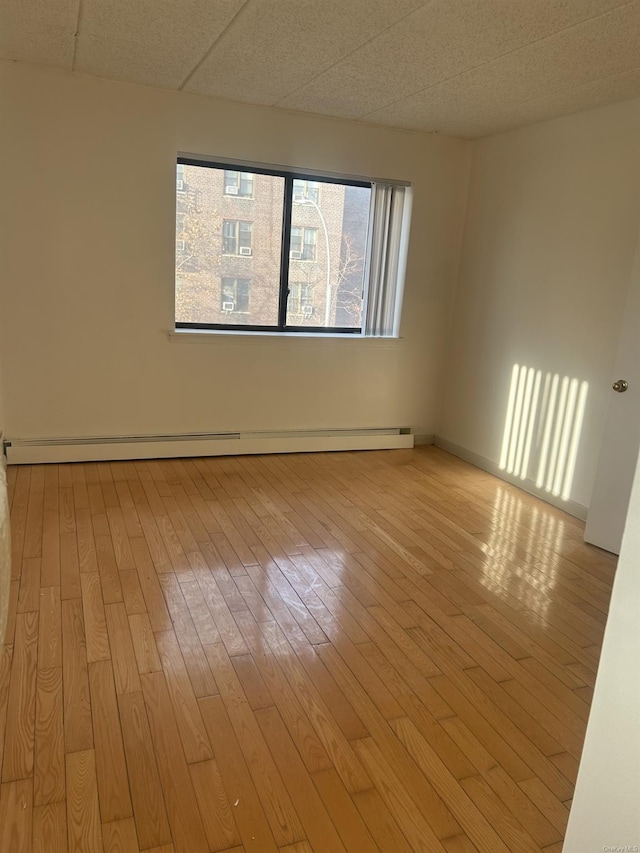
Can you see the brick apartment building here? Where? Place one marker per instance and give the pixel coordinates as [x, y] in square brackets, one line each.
[228, 246]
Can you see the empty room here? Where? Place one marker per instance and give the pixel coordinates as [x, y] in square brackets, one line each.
[319, 426]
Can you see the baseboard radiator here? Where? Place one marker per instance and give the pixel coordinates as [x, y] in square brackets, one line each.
[41, 450]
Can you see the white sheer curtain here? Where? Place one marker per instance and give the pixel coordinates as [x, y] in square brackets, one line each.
[388, 241]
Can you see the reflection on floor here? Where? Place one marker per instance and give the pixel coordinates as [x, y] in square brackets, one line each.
[343, 652]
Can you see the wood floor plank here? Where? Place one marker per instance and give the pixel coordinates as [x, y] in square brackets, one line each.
[380, 822]
[6, 656]
[353, 830]
[29, 595]
[16, 805]
[215, 809]
[414, 825]
[144, 644]
[50, 828]
[94, 618]
[475, 826]
[123, 656]
[83, 814]
[132, 592]
[50, 548]
[78, 729]
[255, 689]
[318, 825]
[507, 826]
[284, 822]
[107, 566]
[49, 766]
[200, 675]
[87, 556]
[21, 701]
[151, 589]
[120, 836]
[250, 817]
[195, 741]
[187, 829]
[69, 563]
[555, 811]
[534, 820]
[146, 793]
[113, 785]
[312, 751]
[120, 539]
[50, 628]
[349, 767]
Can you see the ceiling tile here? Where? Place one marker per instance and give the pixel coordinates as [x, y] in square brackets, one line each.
[153, 42]
[549, 68]
[462, 67]
[38, 32]
[436, 42]
[275, 47]
[599, 93]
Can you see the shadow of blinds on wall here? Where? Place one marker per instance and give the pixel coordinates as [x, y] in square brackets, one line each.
[389, 220]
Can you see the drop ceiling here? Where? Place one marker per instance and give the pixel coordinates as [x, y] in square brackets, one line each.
[465, 68]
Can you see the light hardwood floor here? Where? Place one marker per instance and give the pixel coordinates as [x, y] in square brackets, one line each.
[340, 653]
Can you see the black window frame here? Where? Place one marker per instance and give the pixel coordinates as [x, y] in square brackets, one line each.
[282, 327]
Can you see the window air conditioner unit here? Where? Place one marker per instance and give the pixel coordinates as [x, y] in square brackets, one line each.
[307, 310]
[228, 307]
[245, 250]
[298, 197]
[295, 256]
[231, 190]
[179, 185]
[181, 245]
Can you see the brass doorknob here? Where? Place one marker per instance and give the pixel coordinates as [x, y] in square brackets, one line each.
[620, 385]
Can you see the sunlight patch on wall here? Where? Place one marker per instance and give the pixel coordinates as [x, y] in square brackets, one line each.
[542, 428]
[523, 552]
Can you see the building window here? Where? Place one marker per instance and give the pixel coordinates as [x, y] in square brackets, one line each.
[180, 181]
[238, 183]
[306, 190]
[303, 244]
[322, 255]
[234, 295]
[236, 237]
[300, 301]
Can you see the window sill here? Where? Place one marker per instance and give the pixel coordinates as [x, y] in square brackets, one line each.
[223, 336]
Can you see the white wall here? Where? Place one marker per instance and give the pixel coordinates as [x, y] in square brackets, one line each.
[87, 272]
[605, 814]
[550, 234]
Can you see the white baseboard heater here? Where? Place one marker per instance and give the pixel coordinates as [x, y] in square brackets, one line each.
[41, 450]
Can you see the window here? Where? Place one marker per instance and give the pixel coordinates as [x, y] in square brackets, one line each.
[320, 255]
[236, 237]
[309, 190]
[303, 244]
[234, 295]
[300, 301]
[238, 183]
[180, 183]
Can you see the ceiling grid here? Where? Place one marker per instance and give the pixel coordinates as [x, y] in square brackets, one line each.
[465, 68]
